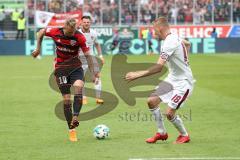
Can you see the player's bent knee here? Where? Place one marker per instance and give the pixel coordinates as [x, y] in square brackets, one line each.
[153, 101]
[78, 83]
[170, 115]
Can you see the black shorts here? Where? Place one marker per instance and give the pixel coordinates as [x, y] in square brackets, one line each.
[150, 45]
[65, 78]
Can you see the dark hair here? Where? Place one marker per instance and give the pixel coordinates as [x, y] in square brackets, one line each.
[86, 17]
[214, 30]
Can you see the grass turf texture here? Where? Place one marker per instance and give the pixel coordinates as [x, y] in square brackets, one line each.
[29, 128]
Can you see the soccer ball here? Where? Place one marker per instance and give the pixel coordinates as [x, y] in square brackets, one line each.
[101, 131]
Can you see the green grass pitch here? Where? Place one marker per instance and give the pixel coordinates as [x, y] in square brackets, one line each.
[29, 128]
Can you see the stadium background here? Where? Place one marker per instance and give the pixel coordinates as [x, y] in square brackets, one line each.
[190, 19]
[29, 128]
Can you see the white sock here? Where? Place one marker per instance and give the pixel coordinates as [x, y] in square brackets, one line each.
[39, 57]
[159, 120]
[98, 88]
[178, 123]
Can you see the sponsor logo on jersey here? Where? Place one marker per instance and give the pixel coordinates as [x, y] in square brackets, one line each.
[65, 49]
[48, 30]
[73, 42]
[164, 56]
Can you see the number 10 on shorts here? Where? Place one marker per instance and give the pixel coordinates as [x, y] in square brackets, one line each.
[62, 80]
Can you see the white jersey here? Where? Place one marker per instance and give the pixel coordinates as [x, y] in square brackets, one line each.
[175, 53]
[91, 39]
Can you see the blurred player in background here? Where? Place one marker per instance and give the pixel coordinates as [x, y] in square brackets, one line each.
[115, 39]
[147, 36]
[178, 85]
[68, 68]
[149, 39]
[91, 41]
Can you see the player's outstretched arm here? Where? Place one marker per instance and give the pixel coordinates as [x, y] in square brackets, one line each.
[91, 65]
[150, 71]
[187, 44]
[40, 36]
[99, 50]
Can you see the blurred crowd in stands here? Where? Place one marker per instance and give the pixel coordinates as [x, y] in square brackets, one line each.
[127, 12]
[178, 11]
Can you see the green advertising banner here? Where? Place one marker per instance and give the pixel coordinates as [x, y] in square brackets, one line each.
[125, 36]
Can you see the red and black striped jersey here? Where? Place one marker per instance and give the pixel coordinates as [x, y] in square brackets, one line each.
[67, 47]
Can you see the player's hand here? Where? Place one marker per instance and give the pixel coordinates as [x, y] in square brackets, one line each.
[35, 53]
[130, 76]
[95, 77]
[102, 60]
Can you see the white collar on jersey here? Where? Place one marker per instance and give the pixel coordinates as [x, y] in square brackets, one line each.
[85, 32]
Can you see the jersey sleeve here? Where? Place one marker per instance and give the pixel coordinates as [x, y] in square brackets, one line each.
[168, 48]
[50, 32]
[82, 43]
[95, 38]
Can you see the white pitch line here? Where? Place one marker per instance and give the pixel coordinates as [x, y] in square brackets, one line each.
[190, 158]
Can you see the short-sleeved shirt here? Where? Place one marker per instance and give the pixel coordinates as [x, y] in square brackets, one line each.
[174, 52]
[67, 47]
[91, 39]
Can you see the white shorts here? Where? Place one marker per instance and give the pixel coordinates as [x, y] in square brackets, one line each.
[85, 64]
[174, 93]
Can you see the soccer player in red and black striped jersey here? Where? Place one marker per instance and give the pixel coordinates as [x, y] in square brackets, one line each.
[68, 67]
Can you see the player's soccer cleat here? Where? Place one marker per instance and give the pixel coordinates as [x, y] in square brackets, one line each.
[75, 122]
[39, 57]
[73, 135]
[99, 101]
[182, 139]
[157, 137]
[84, 101]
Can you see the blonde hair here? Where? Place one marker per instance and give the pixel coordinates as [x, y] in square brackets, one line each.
[163, 21]
[71, 22]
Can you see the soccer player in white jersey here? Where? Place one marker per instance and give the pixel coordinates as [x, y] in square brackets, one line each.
[177, 86]
[91, 41]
